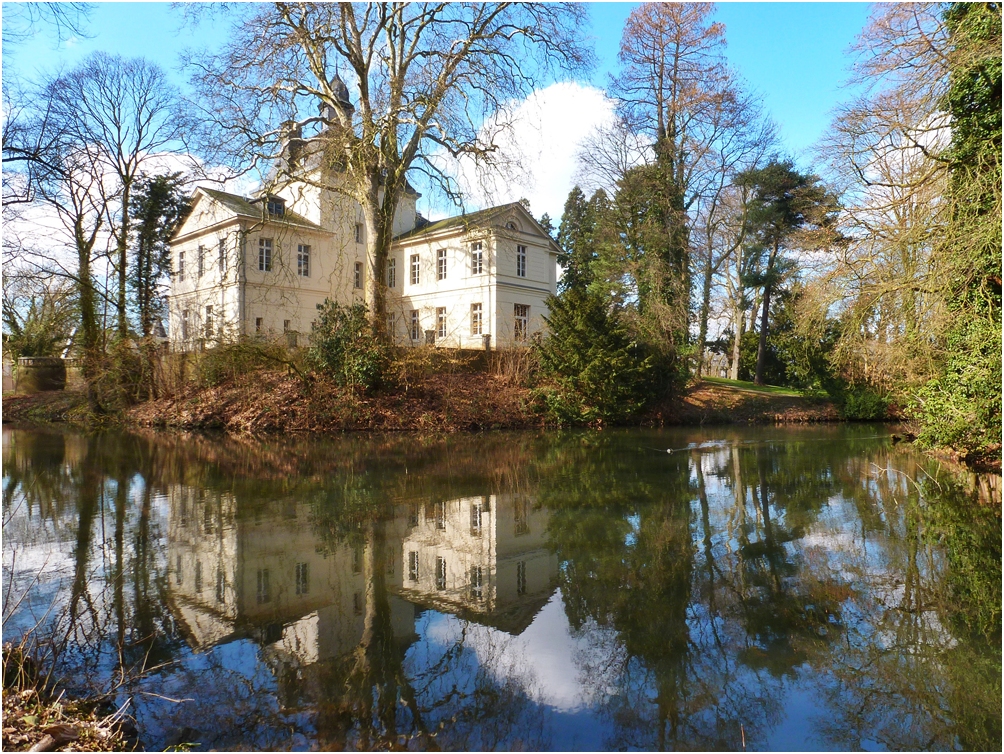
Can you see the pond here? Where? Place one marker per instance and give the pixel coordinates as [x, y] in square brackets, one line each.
[801, 588]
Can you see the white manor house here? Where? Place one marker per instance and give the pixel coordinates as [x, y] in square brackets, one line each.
[262, 266]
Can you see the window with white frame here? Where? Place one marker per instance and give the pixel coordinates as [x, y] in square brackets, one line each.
[209, 322]
[357, 277]
[477, 582]
[303, 260]
[302, 579]
[416, 269]
[440, 573]
[360, 233]
[478, 512]
[477, 258]
[222, 249]
[439, 512]
[200, 262]
[441, 264]
[220, 585]
[475, 319]
[276, 206]
[391, 273]
[416, 327]
[521, 321]
[184, 324]
[521, 261]
[521, 518]
[440, 321]
[265, 254]
[412, 566]
[181, 266]
[390, 324]
[263, 592]
[198, 576]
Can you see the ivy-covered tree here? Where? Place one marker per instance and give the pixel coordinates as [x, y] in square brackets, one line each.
[159, 205]
[961, 407]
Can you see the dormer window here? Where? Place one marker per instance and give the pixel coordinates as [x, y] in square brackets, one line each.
[276, 206]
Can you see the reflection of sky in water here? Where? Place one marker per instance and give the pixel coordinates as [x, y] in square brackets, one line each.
[840, 550]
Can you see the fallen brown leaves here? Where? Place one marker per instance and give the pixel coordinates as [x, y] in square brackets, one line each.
[274, 402]
[34, 720]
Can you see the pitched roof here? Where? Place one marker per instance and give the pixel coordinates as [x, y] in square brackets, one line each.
[467, 221]
[242, 206]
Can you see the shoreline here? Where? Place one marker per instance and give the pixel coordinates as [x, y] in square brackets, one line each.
[272, 403]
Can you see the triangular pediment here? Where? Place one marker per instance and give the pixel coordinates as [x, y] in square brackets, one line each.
[206, 211]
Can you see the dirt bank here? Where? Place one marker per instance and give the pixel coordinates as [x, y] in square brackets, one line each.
[273, 402]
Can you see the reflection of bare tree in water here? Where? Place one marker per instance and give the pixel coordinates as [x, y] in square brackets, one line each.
[920, 685]
[111, 624]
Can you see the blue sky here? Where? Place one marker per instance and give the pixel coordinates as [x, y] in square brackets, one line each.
[794, 54]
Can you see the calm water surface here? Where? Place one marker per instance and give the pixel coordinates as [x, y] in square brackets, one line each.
[799, 588]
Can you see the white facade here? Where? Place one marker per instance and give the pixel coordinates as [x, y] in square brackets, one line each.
[264, 266]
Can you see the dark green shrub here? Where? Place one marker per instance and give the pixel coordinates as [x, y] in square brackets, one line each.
[343, 347]
[598, 373]
[860, 403]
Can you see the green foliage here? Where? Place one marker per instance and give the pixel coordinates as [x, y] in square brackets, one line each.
[599, 372]
[38, 319]
[577, 237]
[789, 210]
[961, 408]
[158, 205]
[342, 346]
[862, 403]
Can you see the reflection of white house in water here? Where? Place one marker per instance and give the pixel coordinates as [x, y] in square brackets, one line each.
[267, 577]
[272, 578]
[482, 557]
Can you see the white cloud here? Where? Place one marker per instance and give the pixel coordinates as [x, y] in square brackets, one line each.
[548, 129]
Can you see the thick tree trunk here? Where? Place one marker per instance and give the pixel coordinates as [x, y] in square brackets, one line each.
[123, 254]
[737, 338]
[379, 218]
[705, 307]
[761, 353]
[89, 330]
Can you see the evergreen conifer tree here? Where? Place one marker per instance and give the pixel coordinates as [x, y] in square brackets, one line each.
[600, 373]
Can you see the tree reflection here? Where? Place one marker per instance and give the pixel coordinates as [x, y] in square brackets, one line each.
[703, 588]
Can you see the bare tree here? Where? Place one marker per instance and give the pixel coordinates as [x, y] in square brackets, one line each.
[124, 110]
[742, 139]
[71, 185]
[885, 149]
[427, 80]
[22, 21]
[674, 87]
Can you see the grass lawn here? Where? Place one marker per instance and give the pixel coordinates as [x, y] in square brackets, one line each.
[741, 385]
